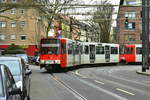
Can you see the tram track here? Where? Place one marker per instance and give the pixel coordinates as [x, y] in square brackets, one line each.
[67, 87]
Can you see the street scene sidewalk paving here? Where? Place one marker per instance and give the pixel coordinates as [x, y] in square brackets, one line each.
[143, 73]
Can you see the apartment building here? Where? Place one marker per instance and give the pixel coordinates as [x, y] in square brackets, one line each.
[21, 26]
[129, 22]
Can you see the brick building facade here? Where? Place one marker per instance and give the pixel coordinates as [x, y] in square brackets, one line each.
[25, 28]
[130, 32]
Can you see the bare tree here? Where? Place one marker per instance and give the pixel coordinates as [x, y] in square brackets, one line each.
[50, 9]
[95, 31]
[103, 16]
[53, 9]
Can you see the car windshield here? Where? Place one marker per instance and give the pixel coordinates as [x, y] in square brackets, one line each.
[1, 87]
[13, 65]
[23, 56]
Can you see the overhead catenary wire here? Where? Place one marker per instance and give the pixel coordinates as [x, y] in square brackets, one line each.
[65, 5]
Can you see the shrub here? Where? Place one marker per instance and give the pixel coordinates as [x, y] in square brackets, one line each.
[14, 49]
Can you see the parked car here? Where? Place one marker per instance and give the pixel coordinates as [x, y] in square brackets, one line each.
[20, 72]
[24, 57]
[8, 88]
[35, 60]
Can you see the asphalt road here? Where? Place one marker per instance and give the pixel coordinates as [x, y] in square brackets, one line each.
[95, 83]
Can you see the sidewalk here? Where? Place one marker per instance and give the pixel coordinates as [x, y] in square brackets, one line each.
[143, 73]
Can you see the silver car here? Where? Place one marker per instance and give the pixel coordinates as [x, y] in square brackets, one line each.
[8, 88]
[20, 72]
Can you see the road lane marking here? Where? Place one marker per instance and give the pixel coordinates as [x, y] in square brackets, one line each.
[99, 82]
[77, 73]
[124, 91]
[146, 81]
[103, 90]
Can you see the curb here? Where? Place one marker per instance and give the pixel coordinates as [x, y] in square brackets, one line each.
[143, 73]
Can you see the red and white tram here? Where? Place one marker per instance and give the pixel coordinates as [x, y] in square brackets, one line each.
[131, 53]
[66, 53]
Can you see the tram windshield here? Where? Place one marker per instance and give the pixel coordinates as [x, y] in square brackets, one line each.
[49, 46]
[128, 51]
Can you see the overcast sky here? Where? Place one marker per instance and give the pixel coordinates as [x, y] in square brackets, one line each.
[114, 2]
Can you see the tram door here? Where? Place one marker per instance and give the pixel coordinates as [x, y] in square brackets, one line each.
[92, 53]
[73, 53]
[80, 52]
[107, 53]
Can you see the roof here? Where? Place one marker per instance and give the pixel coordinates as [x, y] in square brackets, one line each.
[9, 58]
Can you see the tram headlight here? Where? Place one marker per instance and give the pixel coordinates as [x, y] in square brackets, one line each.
[57, 62]
[122, 58]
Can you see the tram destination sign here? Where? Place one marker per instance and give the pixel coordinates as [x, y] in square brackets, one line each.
[49, 45]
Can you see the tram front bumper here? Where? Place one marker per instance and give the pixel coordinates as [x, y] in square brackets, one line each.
[50, 62]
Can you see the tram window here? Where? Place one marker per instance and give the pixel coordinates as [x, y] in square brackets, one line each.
[128, 50]
[50, 41]
[101, 50]
[77, 49]
[106, 47]
[138, 50]
[86, 49]
[70, 48]
[50, 50]
[114, 50]
[97, 49]
[63, 47]
[81, 49]
[121, 50]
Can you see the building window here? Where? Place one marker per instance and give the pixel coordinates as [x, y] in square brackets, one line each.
[22, 11]
[2, 24]
[2, 11]
[13, 37]
[129, 38]
[13, 11]
[13, 24]
[130, 15]
[2, 1]
[2, 36]
[22, 23]
[23, 37]
[14, 1]
[131, 2]
[130, 25]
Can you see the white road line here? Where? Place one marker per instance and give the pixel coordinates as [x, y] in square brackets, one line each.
[77, 73]
[146, 81]
[129, 80]
[124, 91]
[99, 82]
[103, 90]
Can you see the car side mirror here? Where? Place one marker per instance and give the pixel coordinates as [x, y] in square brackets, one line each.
[28, 72]
[27, 66]
[15, 91]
